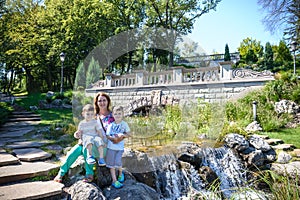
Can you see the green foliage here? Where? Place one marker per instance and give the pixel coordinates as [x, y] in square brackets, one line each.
[282, 57]
[80, 81]
[286, 86]
[33, 34]
[289, 136]
[268, 57]
[281, 186]
[31, 100]
[173, 118]
[227, 53]
[250, 50]
[5, 110]
[93, 73]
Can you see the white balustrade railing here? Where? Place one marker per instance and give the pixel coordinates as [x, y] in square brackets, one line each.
[175, 75]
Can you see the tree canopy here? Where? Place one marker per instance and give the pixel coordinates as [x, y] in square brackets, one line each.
[35, 32]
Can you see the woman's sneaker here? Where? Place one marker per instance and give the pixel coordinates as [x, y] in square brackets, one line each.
[121, 178]
[117, 185]
[91, 160]
[101, 162]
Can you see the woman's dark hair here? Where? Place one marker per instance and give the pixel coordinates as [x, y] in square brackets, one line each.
[97, 109]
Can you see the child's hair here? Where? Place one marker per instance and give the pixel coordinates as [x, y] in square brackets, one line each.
[117, 108]
[87, 108]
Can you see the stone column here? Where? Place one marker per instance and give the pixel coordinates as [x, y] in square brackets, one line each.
[139, 78]
[225, 70]
[177, 75]
[108, 80]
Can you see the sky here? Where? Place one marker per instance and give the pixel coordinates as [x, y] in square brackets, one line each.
[233, 21]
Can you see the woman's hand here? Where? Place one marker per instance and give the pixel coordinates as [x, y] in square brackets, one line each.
[78, 134]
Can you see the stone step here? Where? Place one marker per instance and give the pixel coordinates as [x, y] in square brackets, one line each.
[15, 128]
[32, 190]
[25, 144]
[274, 141]
[21, 124]
[16, 133]
[296, 153]
[23, 115]
[31, 154]
[24, 171]
[265, 137]
[5, 141]
[284, 147]
[23, 119]
[7, 159]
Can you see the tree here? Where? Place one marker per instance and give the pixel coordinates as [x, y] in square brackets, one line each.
[93, 73]
[250, 50]
[177, 15]
[268, 57]
[282, 13]
[125, 15]
[21, 41]
[227, 53]
[282, 57]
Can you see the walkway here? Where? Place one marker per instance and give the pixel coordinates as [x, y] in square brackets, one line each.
[22, 159]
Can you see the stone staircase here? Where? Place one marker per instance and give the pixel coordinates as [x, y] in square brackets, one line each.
[21, 159]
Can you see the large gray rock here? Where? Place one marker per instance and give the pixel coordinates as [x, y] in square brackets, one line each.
[284, 157]
[89, 191]
[259, 143]
[132, 190]
[236, 141]
[291, 169]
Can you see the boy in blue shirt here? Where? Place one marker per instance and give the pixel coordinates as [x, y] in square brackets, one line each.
[116, 131]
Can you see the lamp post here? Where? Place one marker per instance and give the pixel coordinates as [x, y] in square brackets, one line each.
[293, 49]
[62, 59]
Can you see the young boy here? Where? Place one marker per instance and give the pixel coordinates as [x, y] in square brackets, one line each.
[116, 132]
[91, 135]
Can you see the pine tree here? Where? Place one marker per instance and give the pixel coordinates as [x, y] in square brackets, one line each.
[80, 80]
[227, 54]
[93, 73]
[268, 57]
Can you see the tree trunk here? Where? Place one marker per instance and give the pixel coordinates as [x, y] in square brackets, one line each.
[31, 86]
[171, 57]
[129, 61]
[154, 59]
[9, 88]
[49, 77]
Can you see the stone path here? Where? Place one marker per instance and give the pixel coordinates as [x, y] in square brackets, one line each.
[21, 159]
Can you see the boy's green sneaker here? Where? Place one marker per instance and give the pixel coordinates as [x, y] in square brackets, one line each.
[117, 185]
[121, 178]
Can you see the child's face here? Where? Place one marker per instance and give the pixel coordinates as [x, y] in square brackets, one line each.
[88, 115]
[118, 115]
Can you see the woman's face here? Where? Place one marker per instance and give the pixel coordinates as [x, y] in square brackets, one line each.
[102, 103]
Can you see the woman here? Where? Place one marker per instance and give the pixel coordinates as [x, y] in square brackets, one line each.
[102, 104]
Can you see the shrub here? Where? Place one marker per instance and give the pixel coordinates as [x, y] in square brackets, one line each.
[5, 110]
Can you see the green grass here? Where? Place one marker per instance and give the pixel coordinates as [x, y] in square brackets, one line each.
[56, 116]
[30, 100]
[289, 136]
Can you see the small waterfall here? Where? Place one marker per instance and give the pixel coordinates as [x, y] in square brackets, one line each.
[174, 182]
[228, 168]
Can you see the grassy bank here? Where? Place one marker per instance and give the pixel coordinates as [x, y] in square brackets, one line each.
[289, 136]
